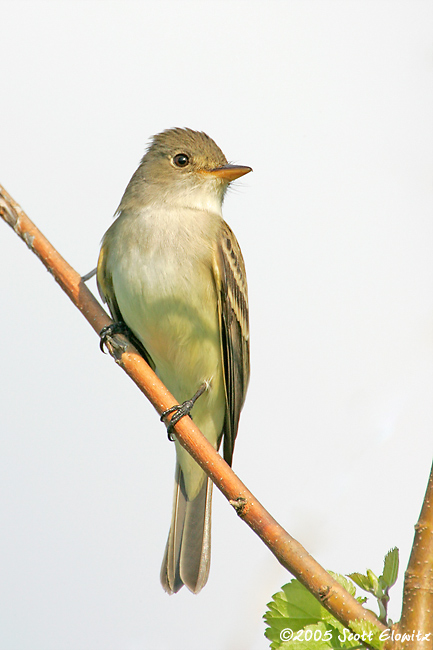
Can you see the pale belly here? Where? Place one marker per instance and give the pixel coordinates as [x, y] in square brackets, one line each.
[172, 308]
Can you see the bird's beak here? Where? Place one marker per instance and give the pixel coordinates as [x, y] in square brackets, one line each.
[228, 172]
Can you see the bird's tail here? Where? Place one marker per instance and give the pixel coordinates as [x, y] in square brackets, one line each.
[187, 554]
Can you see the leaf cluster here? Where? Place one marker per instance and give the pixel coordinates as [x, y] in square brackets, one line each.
[379, 586]
[297, 621]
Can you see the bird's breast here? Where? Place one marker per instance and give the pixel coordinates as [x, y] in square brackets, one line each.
[165, 289]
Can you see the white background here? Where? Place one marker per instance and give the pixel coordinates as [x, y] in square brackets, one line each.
[330, 102]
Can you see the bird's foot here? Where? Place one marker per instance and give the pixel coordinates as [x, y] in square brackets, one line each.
[180, 410]
[109, 331]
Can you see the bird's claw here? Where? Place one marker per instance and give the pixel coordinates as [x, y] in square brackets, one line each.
[109, 331]
[180, 410]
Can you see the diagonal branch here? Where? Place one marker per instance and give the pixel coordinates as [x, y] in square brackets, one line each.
[286, 549]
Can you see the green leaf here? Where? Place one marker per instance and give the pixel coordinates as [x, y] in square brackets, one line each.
[297, 621]
[295, 609]
[344, 582]
[390, 568]
[368, 633]
[294, 602]
[361, 580]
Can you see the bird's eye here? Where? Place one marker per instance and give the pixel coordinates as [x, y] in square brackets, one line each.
[181, 160]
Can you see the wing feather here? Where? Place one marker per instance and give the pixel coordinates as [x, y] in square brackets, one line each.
[233, 312]
[106, 291]
[105, 282]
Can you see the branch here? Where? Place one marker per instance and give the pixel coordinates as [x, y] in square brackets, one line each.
[417, 609]
[286, 549]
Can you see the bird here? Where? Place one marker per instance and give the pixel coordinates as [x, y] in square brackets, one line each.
[171, 270]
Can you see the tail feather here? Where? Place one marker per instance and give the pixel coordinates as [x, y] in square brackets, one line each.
[187, 554]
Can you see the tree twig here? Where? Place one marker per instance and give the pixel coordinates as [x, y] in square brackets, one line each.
[286, 549]
[417, 612]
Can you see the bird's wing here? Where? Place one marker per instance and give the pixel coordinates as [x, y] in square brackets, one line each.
[230, 278]
[106, 290]
[105, 282]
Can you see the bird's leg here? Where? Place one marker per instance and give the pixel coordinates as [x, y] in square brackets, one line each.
[181, 409]
[89, 275]
[109, 331]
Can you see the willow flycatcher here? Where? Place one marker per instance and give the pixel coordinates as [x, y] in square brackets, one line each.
[171, 269]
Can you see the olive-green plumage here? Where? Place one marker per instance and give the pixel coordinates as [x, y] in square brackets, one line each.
[172, 270]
